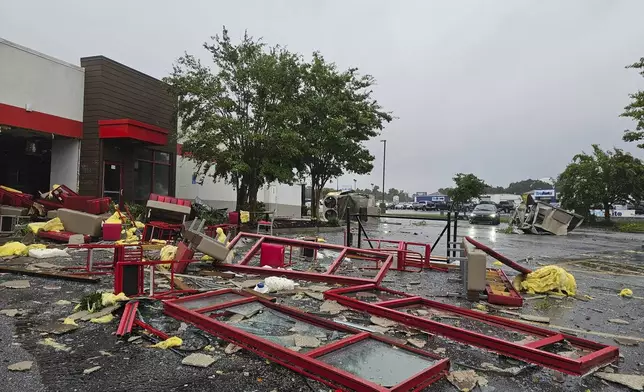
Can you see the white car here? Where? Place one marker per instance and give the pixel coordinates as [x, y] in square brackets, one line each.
[399, 206]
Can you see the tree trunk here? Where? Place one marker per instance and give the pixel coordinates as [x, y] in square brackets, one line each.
[607, 211]
[242, 194]
[315, 198]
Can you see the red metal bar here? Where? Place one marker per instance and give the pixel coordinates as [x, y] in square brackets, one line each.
[128, 317]
[336, 263]
[251, 252]
[151, 329]
[544, 342]
[327, 348]
[491, 252]
[310, 276]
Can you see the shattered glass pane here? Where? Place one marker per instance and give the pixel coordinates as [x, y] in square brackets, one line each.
[278, 327]
[209, 301]
[373, 296]
[378, 362]
[358, 268]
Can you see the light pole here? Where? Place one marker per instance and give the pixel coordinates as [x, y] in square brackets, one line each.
[355, 184]
[384, 157]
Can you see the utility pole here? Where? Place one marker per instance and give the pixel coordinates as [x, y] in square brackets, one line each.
[384, 157]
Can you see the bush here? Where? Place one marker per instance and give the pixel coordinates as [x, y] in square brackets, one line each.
[137, 210]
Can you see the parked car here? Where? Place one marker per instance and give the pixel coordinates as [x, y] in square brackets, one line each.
[506, 206]
[485, 213]
[399, 206]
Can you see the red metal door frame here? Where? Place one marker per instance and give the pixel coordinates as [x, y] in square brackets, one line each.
[307, 363]
[601, 355]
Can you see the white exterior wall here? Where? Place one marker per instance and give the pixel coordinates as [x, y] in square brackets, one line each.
[65, 153]
[286, 199]
[32, 80]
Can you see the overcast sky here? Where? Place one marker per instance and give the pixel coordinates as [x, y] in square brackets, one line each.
[506, 90]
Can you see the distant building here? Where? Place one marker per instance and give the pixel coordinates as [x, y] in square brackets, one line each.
[435, 197]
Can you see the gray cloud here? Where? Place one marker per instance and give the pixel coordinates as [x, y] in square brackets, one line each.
[504, 89]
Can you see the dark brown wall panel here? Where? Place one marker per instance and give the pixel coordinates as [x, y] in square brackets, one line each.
[114, 91]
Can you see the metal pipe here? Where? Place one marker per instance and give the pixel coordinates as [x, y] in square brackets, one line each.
[384, 157]
[455, 230]
[449, 231]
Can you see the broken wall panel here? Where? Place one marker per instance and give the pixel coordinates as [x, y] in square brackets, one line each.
[542, 348]
[338, 362]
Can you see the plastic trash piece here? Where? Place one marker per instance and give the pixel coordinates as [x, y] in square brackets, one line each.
[276, 283]
[69, 321]
[47, 253]
[109, 299]
[102, 320]
[6, 188]
[497, 263]
[35, 227]
[206, 258]
[13, 248]
[115, 218]
[32, 246]
[54, 225]
[550, 278]
[244, 216]
[626, 293]
[261, 288]
[221, 237]
[168, 253]
[170, 342]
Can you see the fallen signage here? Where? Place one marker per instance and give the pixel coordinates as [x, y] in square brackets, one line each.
[346, 357]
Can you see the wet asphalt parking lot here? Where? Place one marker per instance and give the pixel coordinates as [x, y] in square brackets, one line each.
[602, 262]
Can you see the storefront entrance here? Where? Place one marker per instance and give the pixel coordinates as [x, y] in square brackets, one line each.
[113, 181]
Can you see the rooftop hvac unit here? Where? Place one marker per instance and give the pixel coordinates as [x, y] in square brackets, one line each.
[336, 204]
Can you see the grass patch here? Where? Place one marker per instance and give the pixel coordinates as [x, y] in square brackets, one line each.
[630, 227]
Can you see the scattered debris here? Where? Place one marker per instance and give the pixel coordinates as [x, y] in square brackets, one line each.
[538, 319]
[55, 275]
[440, 351]
[318, 288]
[383, 322]
[13, 312]
[550, 278]
[619, 321]
[170, 342]
[513, 371]
[198, 360]
[632, 381]
[54, 344]
[277, 283]
[249, 284]
[417, 342]
[626, 341]
[48, 253]
[16, 284]
[105, 353]
[306, 341]
[332, 307]
[91, 370]
[235, 318]
[231, 348]
[56, 328]
[466, 380]
[133, 339]
[20, 366]
[314, 295]
[626, 293]
[62, 302]
[103, 319]
[103, 312]
[46, 265]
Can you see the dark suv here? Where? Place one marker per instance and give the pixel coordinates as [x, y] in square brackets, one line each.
[506, 206]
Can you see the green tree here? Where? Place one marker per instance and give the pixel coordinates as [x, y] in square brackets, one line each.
[467, 187]
[635, 110]
[241, 114]
[605, 178]
[337, 114]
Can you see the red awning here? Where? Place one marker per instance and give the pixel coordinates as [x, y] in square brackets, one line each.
[132, 129]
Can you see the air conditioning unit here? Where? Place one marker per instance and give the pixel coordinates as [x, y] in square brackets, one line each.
[336, 203]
